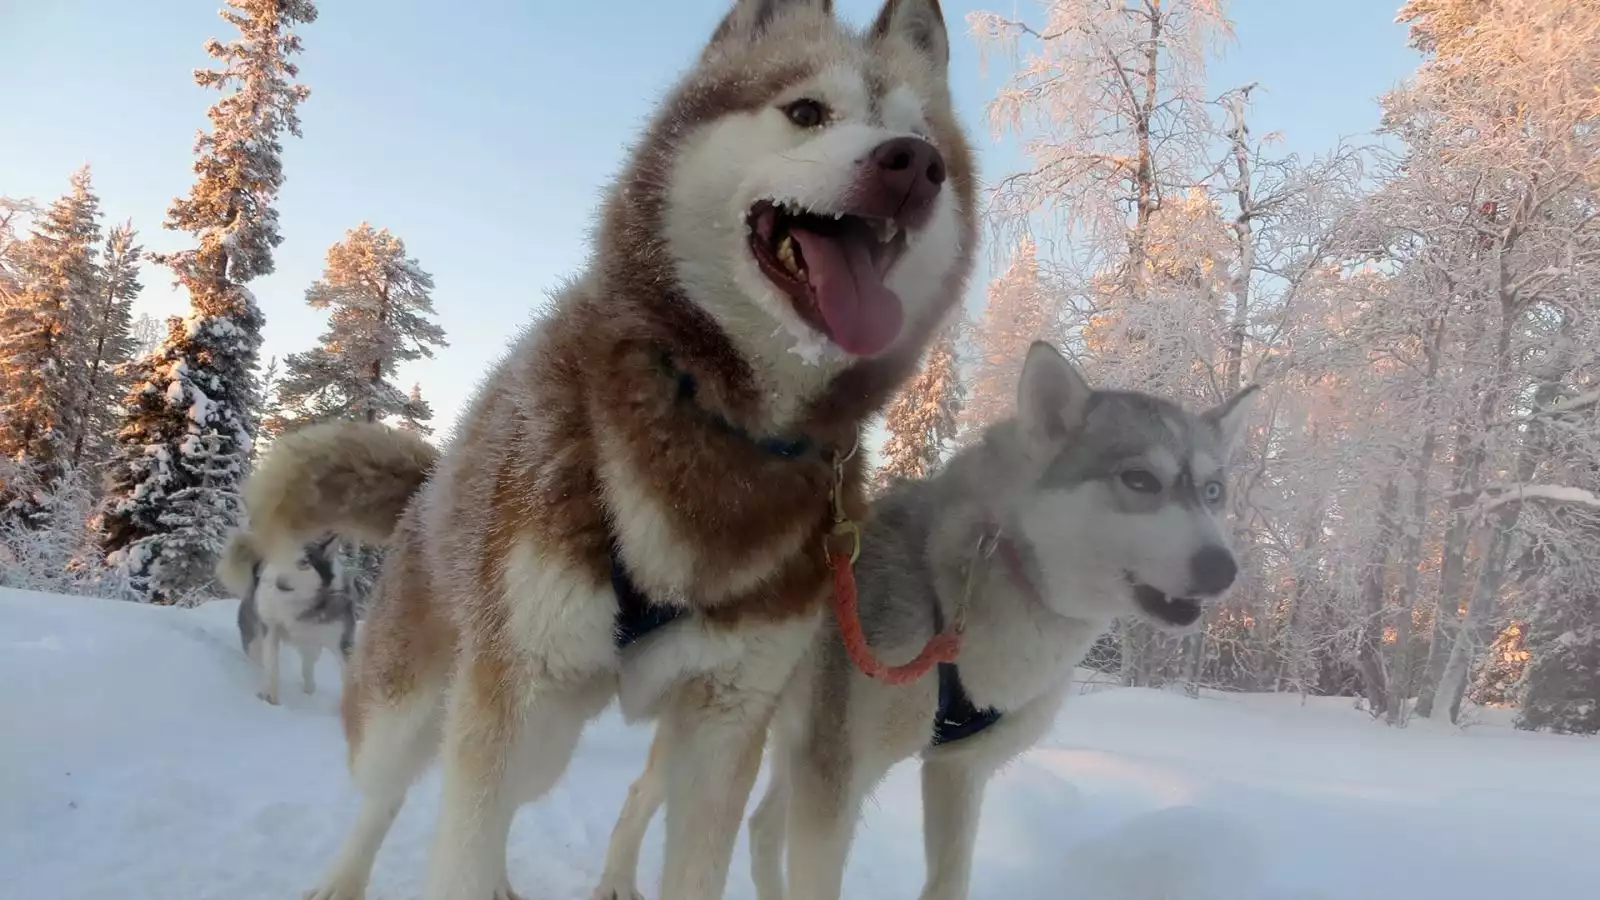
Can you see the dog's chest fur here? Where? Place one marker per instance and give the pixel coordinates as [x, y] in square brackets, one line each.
[634, 425]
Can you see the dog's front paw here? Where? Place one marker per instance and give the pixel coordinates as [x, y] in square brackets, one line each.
[309, 687]
[608, 891]
[269, 696]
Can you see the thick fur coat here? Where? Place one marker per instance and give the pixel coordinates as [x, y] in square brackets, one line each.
[676, 414]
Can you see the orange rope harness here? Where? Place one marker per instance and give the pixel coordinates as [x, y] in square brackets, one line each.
[942, 648]
[841, 548]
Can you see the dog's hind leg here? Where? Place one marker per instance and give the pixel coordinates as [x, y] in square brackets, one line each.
[269, 666]
[769, 826]
[952, 792]
[308, 666]
[391, 743]
[823, 808]
[508, 739]
[645, 796]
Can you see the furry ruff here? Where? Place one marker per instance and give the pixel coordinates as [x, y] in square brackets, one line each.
[350, 478]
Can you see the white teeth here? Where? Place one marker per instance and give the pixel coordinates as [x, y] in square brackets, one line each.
[886, 230]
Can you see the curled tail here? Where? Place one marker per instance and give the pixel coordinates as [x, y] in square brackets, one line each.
[353, 479]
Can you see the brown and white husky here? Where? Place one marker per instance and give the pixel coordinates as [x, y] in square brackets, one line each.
[659, 447]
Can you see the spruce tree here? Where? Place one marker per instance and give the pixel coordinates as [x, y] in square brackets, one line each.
[1016, 315]
[108, 345]
[380, 315]
[189, 419]
[923, 417]
[418, 414]
[1561, 687]
[41, 330]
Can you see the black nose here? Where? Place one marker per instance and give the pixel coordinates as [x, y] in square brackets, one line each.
[910, 170]
[1212, 570]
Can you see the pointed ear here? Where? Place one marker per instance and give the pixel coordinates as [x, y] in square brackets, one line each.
[920, 23]
[749, 18]
[1052, 398]
[1229, 416]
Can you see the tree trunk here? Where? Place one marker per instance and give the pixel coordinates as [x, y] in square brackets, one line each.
[1410, 569]
[1452, 570]
[1411, 545]
[1472, 636]
[1373, 583]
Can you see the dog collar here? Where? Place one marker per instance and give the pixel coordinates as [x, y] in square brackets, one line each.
[1011, 555]
[781, 446]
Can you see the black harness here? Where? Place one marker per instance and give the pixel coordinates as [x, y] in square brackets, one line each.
[956, 717]
[636, 615]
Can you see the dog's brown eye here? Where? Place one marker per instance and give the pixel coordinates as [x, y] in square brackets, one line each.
[1141, 481]
[806, 113]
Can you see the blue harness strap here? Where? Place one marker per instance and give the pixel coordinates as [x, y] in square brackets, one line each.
[957, 718]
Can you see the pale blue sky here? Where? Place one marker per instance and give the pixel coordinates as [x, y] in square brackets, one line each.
[483, 136]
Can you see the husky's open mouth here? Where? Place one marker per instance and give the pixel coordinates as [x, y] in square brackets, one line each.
[1179, 612]
[832, 266]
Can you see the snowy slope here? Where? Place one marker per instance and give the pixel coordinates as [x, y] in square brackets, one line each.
[136, 762]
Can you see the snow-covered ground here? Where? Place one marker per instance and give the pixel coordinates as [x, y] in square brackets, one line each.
[136, 762]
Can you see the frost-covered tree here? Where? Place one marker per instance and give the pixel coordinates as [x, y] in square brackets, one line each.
[922, 419]
[42, 329]
[185, 443]
[1019, 311]
[1561, 687]
[107, 347]
[418, 412]
[1107, 96]
[146, 333]
[12, 213]
[380, 315]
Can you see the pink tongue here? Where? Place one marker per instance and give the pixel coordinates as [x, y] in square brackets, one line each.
[863, 316]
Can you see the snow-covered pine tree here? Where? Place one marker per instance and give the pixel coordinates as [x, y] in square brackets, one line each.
[1561, 687]
[185, 443]
[1017, 314]
[418, 413]
[41, 330]
[12, 212]
[923, 417]
[380, 316]
[107, 347]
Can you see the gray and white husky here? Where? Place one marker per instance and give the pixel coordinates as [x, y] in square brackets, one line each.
[1087, 506]
[306, 605]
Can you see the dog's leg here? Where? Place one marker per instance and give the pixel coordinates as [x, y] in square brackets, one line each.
[394, 744]
[952, 793]
[508, 738]
[308, 667]
[769, 827]
[269, 666]
[824, 805]
[645, 796]
[713, 754]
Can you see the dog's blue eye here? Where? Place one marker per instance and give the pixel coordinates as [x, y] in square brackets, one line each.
[806, 113]
[1213, 491]
[1141, 481]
